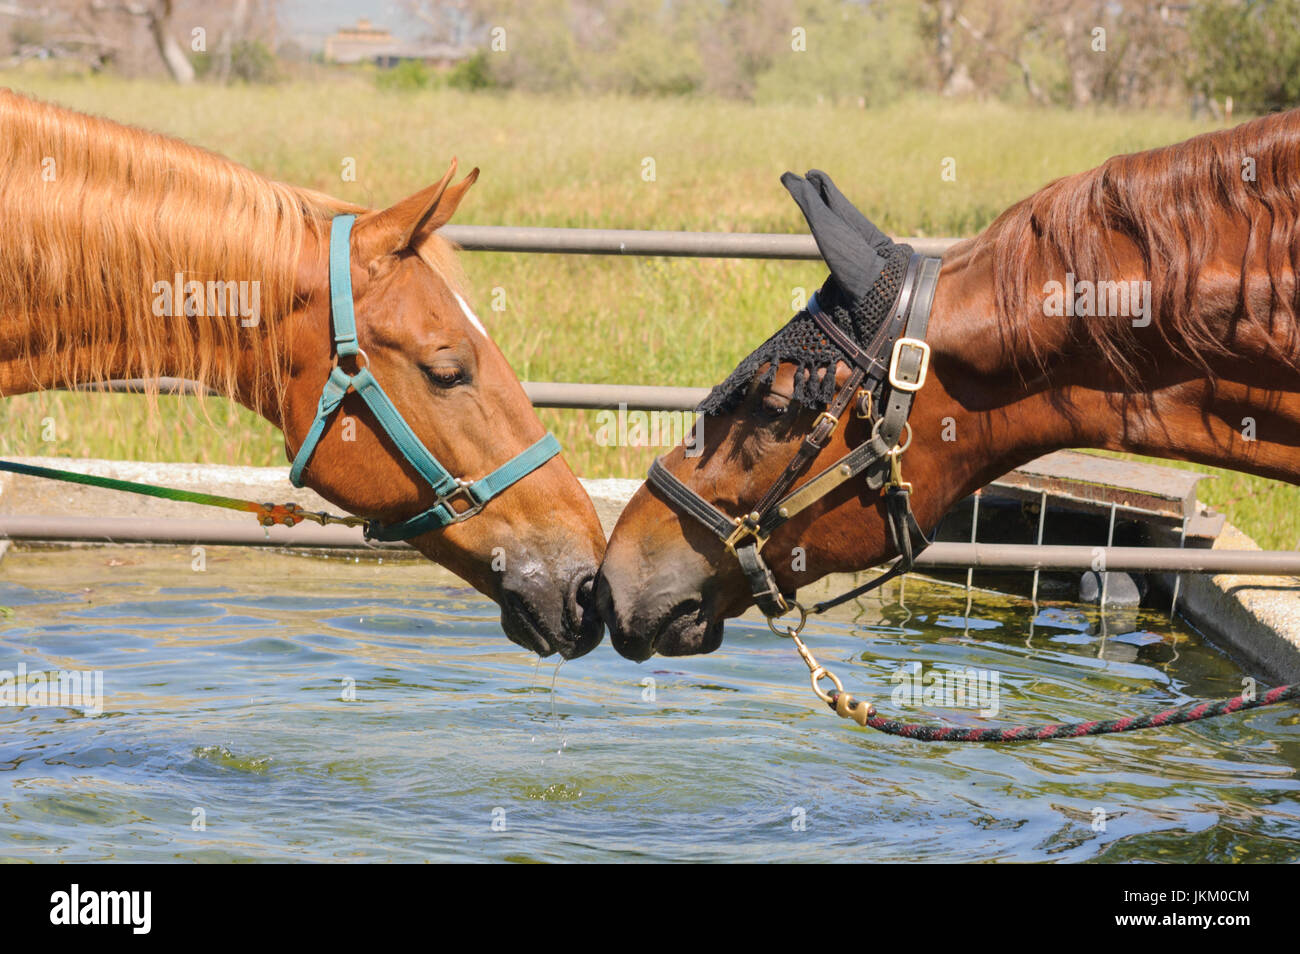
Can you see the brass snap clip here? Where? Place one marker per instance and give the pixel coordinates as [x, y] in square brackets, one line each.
[844, 705]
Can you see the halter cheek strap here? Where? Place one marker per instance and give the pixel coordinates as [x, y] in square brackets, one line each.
[447, 487]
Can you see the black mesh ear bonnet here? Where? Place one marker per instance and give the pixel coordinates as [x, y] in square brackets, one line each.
[867, 270]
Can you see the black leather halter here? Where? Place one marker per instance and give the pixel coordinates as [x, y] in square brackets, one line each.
[893, 364]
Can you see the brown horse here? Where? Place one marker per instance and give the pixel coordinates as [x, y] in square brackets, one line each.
[1028, 355]
[104, 222]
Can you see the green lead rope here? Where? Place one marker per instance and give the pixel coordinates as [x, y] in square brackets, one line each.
[268, 515]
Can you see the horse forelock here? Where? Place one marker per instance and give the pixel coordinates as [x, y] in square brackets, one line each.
[98, 213]
[440, 255]
[1177, 206]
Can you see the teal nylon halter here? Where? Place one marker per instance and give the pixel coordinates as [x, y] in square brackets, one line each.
[475, 493]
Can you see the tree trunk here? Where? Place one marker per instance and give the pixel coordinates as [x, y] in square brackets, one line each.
[233, 33]
[173, 55]
[954, 77]
[1076, 60]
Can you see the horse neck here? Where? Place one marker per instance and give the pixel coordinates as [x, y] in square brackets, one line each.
[27, 364]
[992, 405]
[63, 346]
[102, 218]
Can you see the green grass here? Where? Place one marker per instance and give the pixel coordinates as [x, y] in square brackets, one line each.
[578, 162]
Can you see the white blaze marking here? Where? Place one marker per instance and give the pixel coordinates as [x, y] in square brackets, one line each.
[473, 318]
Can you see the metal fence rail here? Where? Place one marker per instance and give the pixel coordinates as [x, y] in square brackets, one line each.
[984, 556]
[1030, 557]
[634, 397]
[769, 245]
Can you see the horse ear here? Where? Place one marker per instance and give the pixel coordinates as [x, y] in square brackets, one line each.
[852, 261]
[400, 226]
[847, 211]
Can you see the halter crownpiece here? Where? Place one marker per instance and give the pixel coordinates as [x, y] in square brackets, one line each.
[472, 494]
[843, 317]
[871, 314]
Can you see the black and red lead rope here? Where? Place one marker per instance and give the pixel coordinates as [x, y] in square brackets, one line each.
[1193, 712]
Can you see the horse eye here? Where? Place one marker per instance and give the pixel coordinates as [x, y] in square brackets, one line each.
[774, 405]
[446, 375]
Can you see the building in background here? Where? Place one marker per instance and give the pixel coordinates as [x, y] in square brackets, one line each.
[366, 43]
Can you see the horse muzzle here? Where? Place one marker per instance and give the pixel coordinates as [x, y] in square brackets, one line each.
[643, 621]
[547, 616]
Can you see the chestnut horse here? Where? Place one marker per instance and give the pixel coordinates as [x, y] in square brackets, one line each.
[1025, 358]
[103, 221]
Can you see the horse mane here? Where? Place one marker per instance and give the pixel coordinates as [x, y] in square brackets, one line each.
[1174, 204]
[97, 212]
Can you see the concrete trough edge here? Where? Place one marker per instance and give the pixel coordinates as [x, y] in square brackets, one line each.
[1254, 618]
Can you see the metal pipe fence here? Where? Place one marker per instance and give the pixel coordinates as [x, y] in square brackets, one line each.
[556, 394]
[552, 241]
[982, 556]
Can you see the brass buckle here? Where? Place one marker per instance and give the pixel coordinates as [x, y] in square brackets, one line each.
[826, 416]
[924, 349]
[745, 526]
[462, 490]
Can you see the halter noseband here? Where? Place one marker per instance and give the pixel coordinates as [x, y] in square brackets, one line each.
[902, 337]
[473, 493]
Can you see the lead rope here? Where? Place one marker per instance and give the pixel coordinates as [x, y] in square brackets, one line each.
[267, 514]
[864, 713]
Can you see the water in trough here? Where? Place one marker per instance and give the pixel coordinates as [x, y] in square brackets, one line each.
[226, 735]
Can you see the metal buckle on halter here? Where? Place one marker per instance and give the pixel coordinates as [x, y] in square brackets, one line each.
[826, 416]
[863, 400]
[924, 364]
[745, 526]
[462, 490]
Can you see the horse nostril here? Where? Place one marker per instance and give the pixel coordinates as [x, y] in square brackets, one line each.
[580, 595]
[604, 598]
[584, 620]
[587, 593]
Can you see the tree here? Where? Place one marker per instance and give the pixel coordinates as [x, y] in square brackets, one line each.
[1004, 36]
[157, 15]
[954, 75]
[1249, 51]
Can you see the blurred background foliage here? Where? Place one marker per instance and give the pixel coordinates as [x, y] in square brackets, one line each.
[1072, 53]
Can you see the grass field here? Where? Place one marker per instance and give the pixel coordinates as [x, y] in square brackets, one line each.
[579, 162]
